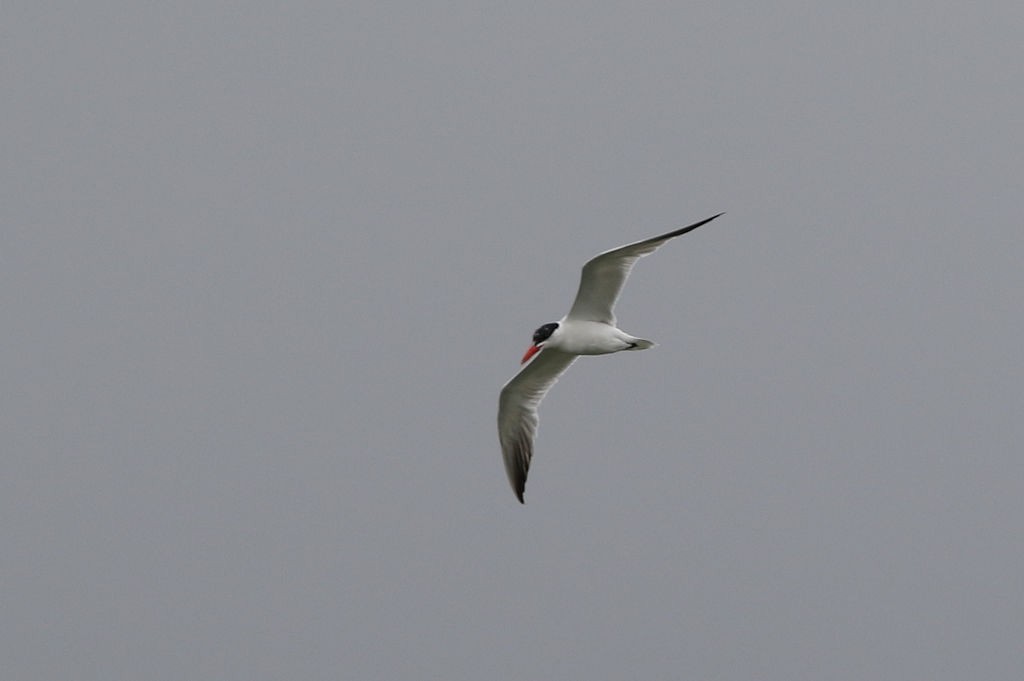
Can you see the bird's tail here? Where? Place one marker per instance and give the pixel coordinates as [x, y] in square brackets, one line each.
[641, 344]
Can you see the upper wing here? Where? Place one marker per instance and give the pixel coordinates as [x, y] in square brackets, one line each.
[517, 412]
[605, 274]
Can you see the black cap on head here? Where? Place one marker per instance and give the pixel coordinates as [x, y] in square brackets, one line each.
[544, 332]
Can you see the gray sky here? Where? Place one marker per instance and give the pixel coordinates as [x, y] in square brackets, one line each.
[265, 267]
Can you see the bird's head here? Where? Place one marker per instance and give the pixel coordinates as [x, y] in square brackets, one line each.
[540, 337]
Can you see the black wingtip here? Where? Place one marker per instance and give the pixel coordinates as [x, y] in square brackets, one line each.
[703, 222]
[689, 228]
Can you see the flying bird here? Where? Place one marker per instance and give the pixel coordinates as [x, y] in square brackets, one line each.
[588, 329]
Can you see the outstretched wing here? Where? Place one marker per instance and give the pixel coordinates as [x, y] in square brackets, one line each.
[604, 275]
[517, 412]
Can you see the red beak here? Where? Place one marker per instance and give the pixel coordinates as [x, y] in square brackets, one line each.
[534, 349]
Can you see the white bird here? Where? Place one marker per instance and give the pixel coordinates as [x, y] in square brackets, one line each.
[588, 329]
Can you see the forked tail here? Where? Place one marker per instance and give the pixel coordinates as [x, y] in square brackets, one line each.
[641, 344]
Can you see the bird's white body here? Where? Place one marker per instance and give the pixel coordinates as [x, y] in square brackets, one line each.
[588, 329]
[581, 337]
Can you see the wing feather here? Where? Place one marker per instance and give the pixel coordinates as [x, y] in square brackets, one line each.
[517, 412]
[604, 275]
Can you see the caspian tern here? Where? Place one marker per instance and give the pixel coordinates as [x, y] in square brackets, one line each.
[588, 329]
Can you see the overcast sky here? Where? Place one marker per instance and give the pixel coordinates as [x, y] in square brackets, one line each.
[265, 266]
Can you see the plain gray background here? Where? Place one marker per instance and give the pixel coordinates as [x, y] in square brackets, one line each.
[265, 267]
